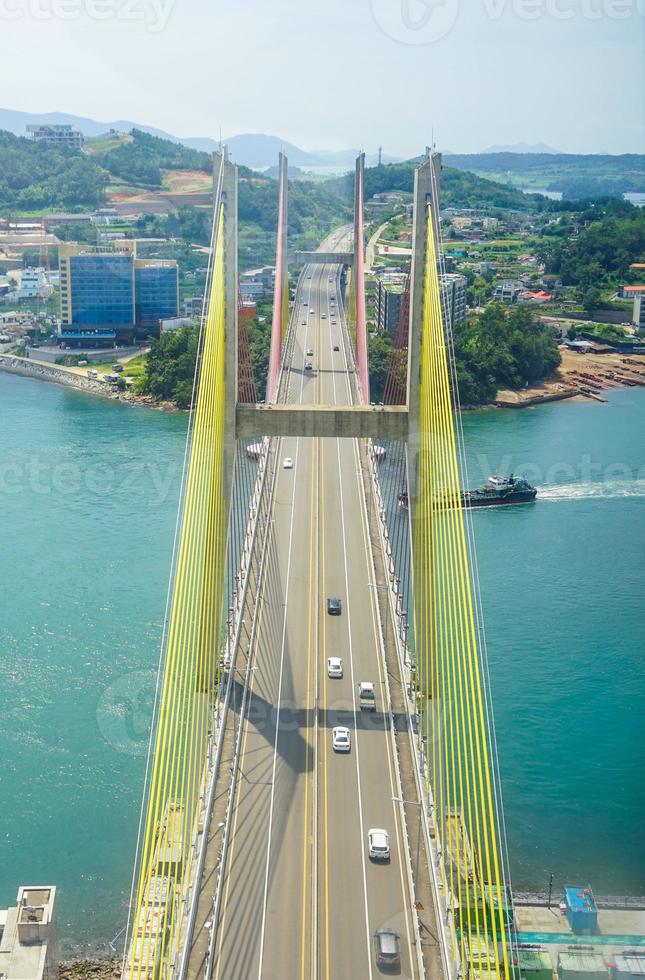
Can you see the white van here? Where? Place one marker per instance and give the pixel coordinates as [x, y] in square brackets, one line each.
[366, 696]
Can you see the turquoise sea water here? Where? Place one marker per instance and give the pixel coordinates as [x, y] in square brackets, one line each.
[88, 494]
[563, 587]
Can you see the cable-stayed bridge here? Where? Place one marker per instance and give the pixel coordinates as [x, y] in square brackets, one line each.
[254, 858]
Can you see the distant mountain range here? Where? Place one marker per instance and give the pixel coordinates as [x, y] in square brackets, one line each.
[522, 148]
[255, 150]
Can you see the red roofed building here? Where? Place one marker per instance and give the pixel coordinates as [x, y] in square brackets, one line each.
[528, 296]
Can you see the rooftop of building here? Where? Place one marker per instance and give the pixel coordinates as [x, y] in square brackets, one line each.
[26, 930]
[580, 898]
[581, 961]
[633, 963]
[533, 959]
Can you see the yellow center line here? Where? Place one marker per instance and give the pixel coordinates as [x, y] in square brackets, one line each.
[311, 631]
[323, 621]
[309, 747]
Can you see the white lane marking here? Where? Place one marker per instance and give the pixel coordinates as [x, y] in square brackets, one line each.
[356, 739]
[277, 722]
[282, 654]
[395, 786]
[398, 816]
[351, 664]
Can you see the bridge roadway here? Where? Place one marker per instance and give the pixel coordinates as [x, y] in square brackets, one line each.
[301, 898]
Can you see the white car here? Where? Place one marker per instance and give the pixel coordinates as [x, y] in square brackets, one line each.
[311, 312]
[288, 463]
[324, 316]
[334, 667]
[341, 739]
[309, 366]
[310, 352]
[304, 323]
[379, 844]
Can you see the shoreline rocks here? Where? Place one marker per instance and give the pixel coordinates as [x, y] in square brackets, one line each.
[57, 375]
[94, 968]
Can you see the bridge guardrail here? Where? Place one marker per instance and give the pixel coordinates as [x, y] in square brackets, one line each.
[349, 353]
[395, 752]
[450, 958]
[270, 454]
[232, 645]
[217, 899]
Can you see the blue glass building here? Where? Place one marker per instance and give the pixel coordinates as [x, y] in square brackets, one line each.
[110, 297]
[156, 298]
[102, 290]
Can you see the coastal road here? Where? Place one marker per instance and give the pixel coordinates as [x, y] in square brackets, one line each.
[301, 899]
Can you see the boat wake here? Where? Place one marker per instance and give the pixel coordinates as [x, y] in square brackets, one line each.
[608, 490]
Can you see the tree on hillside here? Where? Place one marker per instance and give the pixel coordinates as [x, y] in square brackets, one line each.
[260, 343]
[602, 252]
[379, 357]
[35, 175]
[143, 158]
[459, 188]
[502, 350]
[170, 366]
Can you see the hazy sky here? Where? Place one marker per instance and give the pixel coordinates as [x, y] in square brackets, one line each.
[339, 73]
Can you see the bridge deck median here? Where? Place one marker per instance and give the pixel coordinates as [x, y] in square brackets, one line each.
[324, 421]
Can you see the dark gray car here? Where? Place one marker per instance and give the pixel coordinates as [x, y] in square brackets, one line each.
[388, 950]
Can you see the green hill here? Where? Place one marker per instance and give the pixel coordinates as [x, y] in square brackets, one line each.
[141, 160]
[575, 175]
[35, 176]
[459, 188]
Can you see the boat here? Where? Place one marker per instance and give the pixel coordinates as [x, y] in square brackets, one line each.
[500, 490]
[496, 492]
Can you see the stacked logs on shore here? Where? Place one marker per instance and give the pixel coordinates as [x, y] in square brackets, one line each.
[591, 384]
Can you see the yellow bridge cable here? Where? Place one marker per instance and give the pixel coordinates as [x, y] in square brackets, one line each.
[191, 664]
[449, 666]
